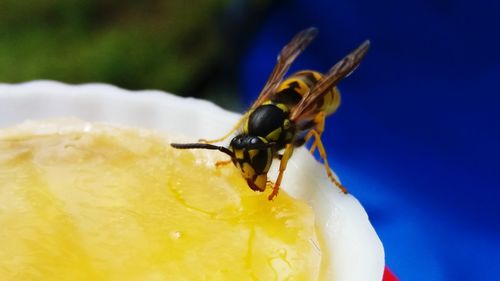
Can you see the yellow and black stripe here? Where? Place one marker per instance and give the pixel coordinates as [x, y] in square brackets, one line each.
[291, 91]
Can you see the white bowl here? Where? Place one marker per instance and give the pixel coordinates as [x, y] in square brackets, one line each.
[354, 249]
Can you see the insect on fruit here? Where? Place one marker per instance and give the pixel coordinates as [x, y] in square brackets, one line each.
[286, 115]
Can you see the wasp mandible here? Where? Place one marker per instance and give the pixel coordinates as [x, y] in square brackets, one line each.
[287, 114]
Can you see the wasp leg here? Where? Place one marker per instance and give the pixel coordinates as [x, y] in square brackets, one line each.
[222, 163]
[319, 122]
[322, 153]
[284, 161]
[236, 127]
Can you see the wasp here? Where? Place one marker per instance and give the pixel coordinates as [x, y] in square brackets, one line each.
[287, 114]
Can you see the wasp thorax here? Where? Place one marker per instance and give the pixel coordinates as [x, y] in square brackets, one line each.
[253, 155]
[271, 121]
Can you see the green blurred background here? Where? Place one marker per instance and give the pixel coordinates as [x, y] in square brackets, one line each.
[184, 47]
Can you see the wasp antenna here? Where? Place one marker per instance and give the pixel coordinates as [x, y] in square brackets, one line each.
[202, 146]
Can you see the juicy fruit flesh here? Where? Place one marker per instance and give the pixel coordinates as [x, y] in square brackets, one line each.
[117, 204]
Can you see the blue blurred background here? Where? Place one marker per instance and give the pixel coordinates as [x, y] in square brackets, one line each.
[417, 136]
[416, 140]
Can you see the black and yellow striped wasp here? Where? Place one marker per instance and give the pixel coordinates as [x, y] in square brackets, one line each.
[286, 115]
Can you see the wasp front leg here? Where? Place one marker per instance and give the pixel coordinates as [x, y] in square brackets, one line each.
[221, 163]
[284, 161]
[322, 153]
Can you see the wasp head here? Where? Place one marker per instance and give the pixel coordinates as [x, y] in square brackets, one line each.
[253, 156]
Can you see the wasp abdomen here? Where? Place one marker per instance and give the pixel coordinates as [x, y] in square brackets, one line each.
[291, 91]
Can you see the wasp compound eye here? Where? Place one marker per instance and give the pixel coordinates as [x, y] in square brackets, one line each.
[237, 142]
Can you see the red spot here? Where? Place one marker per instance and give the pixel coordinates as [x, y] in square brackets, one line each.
[388, 275]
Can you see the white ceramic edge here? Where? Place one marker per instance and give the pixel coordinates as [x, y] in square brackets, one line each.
[356, 252]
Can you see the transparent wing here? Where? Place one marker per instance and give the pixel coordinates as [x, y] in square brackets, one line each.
[309, 106]
[285, 58]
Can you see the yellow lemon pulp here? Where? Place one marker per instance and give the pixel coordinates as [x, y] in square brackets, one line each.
[120, 204]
